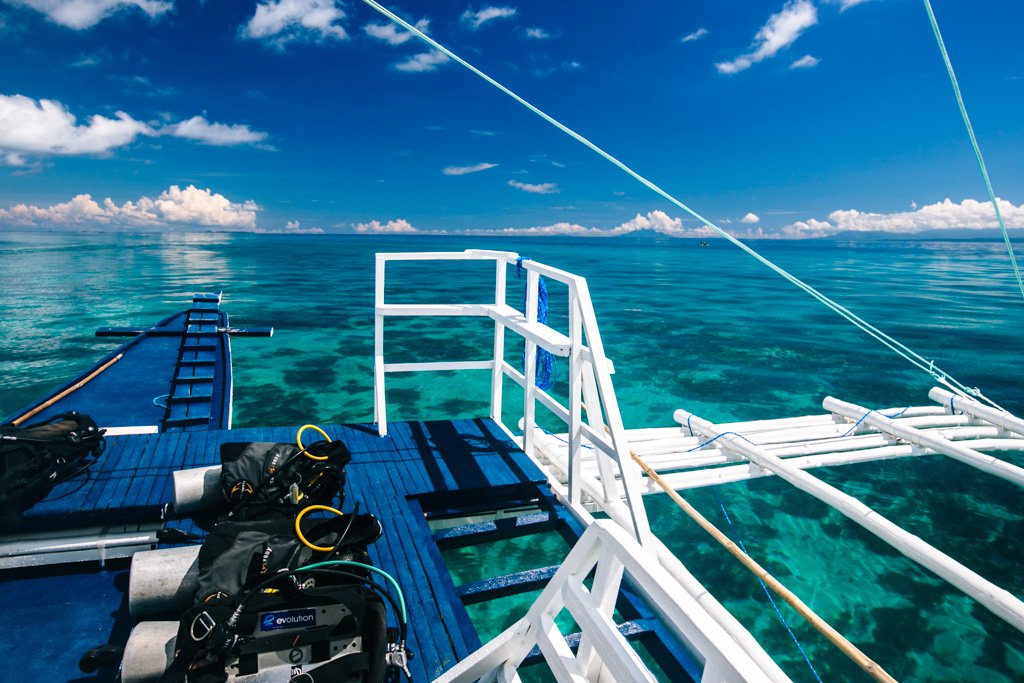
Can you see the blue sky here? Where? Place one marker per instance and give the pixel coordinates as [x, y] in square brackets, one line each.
[798, 118]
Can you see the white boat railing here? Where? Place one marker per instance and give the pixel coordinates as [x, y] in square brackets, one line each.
[593, 412]
[604, 654]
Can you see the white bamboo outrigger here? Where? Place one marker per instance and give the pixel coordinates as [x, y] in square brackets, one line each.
[590, 468]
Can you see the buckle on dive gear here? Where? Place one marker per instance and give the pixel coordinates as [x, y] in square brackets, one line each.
[204, 620]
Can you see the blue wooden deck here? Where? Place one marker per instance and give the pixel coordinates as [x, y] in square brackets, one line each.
[436, 460]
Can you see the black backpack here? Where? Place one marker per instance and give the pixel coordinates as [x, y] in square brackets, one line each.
[36, 458]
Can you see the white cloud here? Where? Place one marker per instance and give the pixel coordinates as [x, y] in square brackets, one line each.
[82, 14]
[657, 221]
[538, 33]
[425, 61]
[781, 30]
[174, 206]
[475, 20]
[391, 34]
[396, 226]
[46, 127]
[293, 228]
[463, 170]
[805, 62]
[696, 35]
[968, 214]
[279, 22]
[751, 218]
[220, 134]
[845, 4]
[535, 188]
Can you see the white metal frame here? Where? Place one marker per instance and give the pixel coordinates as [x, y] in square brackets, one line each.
[589, 377]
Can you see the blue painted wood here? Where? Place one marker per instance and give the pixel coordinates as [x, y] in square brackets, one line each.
[495, 530]
[501, 586]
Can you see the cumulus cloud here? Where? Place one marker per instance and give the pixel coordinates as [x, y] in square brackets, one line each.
[220, 134]
[280, 22]
[464, 170]
[751, 218]
[475, 20]
[535, 188]
[174, 206]
[30, 128]
[696, 35]
[46, 127]
[396, 226]
[538, 33]
[82, 14]
[425, 61]
[969, 214]
[391, 34]
[781, 30]
[805, 62]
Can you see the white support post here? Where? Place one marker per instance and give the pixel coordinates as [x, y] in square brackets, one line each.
[497, 376]
[530, 371]
[380, 411]
[595, 416]
[629, 470]
[607, 579]
[575, 397]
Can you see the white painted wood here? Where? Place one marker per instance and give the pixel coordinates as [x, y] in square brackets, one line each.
[1001, 418]
[525, 326]
[380, 414]
[999, 601]
[406, 310]
[575, 434]
[497, 376]
[986, 463]
[123, 431]
[621, 660]
[629, 470]
[437, 366]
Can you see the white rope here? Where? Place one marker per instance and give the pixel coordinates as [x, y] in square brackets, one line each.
[898, 347]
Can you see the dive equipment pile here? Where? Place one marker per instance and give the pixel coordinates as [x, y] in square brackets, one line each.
[274, 593]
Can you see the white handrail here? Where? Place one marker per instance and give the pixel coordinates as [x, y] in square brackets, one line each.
[589, 381]
[604, 653]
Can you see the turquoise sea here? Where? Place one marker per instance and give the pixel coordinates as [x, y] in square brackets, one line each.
[707, 329]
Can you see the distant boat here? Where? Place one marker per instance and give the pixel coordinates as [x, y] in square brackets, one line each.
[704, 243]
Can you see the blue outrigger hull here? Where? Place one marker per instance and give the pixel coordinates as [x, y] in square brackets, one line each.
[174, 375]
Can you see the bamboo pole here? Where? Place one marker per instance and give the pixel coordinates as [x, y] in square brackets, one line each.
[70, 390]
[871, 667]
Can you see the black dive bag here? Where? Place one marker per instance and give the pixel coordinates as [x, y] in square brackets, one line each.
[36, 458]
[258, 478]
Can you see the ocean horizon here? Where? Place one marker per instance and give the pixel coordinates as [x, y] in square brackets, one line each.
[705, 329]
